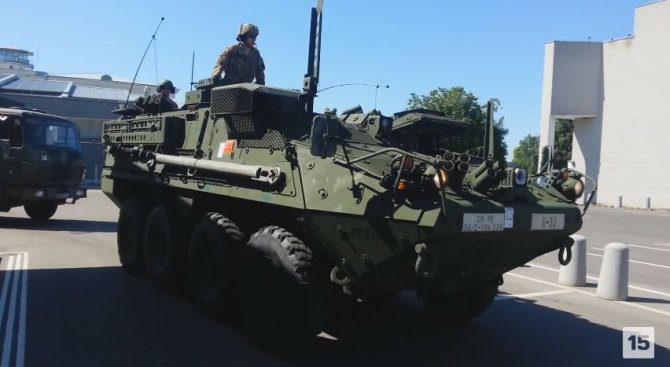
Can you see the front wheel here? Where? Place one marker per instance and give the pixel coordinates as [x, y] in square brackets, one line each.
[213, 265]
[40, 210]
[164, 249]
[130, 235]
[279, 301]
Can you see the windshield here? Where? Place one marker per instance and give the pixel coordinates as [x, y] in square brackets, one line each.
[47, 133]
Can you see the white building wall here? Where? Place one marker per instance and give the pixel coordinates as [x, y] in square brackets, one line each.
[635, 155]
[624, 143]
[573, 90]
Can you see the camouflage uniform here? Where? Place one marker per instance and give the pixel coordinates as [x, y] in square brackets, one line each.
[172, 103]
[240, 64]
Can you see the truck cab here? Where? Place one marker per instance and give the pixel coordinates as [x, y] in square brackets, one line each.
[41, 163]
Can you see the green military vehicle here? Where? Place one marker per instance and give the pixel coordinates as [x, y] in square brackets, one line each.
[267, 212]
[41, 164]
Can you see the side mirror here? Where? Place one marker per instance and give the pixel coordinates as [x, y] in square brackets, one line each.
[325, 136]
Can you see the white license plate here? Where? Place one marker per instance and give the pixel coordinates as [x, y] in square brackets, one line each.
[61, 196]
[476, 222]
[547, 222]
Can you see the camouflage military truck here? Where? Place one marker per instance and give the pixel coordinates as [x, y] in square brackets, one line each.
[265, 210]
[41, 164]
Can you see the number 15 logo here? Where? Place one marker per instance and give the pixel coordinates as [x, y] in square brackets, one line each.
[638, 342]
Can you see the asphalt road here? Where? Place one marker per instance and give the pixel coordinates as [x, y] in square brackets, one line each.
[74, 306]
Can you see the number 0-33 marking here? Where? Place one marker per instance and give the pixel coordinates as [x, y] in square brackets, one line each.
[547, 222]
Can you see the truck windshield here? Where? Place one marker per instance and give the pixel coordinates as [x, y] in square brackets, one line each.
[47, 133]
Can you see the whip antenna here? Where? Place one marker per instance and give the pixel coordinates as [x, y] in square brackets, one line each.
[192, 67]
[153, 38]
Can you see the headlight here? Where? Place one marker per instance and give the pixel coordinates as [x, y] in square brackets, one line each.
[520, 177]
[441, 179]
[38, 194]
[80, 193]
[573, 188]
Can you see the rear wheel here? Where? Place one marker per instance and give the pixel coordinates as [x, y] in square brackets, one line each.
[213, 265]
[130, 236]
[40, 210]
[279, 302]
[164, 247]
[460, 307]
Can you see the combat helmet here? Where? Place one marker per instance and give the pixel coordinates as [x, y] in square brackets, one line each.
[166, 83]
[248, 29]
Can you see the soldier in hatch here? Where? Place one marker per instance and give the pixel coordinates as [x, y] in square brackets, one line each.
[159, 102]
[241, 63]
[165, 89]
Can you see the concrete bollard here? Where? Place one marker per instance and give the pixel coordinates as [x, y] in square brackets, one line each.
[613, 282]
[574, 274]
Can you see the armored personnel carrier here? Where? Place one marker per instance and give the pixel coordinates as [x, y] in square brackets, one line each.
[41, 164]
[265, 209]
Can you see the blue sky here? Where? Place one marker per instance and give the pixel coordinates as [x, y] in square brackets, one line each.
[491, 48]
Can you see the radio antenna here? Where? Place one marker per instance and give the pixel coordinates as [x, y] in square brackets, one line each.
[192, 67]
[153, 38]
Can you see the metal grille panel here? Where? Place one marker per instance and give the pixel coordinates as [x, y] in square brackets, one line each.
[231, 100]
[272, 139]
[241, 124]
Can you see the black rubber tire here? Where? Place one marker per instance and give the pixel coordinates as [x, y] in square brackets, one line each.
[214, 256]
[461, 307]
[279, 304]
[40, 210]
[164, 248]
[130, 236]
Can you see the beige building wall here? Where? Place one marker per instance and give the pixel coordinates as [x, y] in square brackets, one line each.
[618, 95]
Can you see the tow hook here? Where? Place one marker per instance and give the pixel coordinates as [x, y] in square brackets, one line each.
[426, 266]
[565, 252]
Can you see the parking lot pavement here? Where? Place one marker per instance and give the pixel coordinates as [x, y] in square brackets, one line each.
[643, 308]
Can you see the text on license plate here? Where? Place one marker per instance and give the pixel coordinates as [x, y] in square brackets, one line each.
[546, 222]
[481, 222]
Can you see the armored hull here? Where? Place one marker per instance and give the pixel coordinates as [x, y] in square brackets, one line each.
[267, 211]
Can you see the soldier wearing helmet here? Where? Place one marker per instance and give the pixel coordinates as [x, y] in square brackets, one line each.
[165, 89]
[159, 102]
[241, 62]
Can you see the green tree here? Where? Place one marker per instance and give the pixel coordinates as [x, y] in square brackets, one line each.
[563, 142]
[526, 153]
[461, 105]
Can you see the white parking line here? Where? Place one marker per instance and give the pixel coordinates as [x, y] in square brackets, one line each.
[5, 287]
[16, 279]
[638, 246]
[596, 279]
[635, 261]
[21, 343]
[635, 305]
[9, 326]
[504, 297]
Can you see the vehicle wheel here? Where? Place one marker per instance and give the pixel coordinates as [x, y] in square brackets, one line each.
[460, 307]
[40, 210]
[213, 265]
[164, 249]
[279, 302]
[130, 236]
